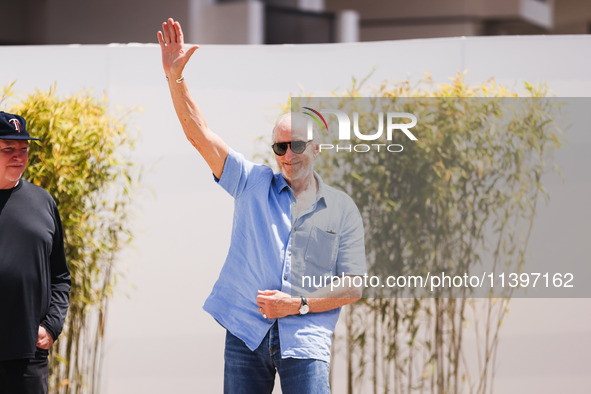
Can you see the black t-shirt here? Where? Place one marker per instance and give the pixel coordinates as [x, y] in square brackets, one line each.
[34, 276]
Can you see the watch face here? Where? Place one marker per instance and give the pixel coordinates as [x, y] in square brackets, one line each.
[304, 309]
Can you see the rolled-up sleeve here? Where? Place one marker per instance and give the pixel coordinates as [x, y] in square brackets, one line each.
[351, 255]
[240, 174]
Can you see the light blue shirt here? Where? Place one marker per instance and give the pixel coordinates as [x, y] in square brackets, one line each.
[268, 252]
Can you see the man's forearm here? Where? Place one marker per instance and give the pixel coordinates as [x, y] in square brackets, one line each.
[213, 149]
[58, 308]
[326, 299]
[276, 304]
[174, 59]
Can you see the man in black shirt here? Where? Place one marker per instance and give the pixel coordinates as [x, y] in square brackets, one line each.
[34, 276]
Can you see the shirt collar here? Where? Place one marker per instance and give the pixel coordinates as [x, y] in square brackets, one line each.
[280, 184]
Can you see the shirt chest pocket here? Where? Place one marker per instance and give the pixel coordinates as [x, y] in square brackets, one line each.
[321, 252]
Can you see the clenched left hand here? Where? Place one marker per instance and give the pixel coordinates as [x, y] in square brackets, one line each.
[44, 339]
[275, 304]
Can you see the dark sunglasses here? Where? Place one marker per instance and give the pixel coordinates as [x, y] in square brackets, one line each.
[298, 147]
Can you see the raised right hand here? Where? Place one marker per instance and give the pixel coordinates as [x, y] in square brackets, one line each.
[172, 44]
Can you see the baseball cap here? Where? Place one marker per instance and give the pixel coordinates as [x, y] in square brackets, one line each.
[14, 127]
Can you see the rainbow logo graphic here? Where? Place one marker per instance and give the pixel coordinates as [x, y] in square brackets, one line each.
[315, 116]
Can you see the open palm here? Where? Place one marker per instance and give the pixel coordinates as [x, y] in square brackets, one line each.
[172, 44]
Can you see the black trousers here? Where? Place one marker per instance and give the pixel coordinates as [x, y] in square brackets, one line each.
[25, 376]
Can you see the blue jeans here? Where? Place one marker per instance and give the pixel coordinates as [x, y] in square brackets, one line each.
[248, 371]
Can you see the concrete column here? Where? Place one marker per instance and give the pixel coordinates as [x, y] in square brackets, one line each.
[240, 22]
[347, 26]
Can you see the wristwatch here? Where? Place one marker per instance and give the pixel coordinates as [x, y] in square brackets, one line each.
[304, 308]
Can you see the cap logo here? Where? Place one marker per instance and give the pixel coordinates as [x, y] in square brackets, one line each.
[16, 124]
